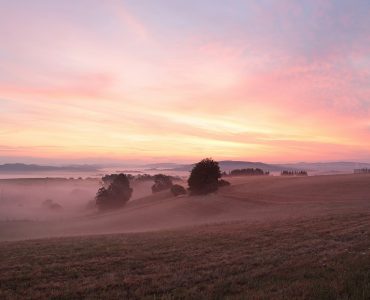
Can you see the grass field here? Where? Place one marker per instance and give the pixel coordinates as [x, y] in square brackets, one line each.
[317, 258]
[261, 238]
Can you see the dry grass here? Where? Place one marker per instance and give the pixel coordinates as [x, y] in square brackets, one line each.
[325, 257]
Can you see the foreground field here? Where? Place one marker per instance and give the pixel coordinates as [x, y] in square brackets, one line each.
[261, 238]
[316, 258]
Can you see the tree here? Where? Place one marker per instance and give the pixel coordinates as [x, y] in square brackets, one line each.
[108, 179]
[178, 190]
[204, 177]
[161, 183]
[116, 195]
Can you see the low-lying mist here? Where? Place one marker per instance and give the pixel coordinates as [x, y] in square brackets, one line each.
[52, 198]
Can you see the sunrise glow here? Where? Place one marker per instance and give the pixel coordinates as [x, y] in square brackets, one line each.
[274, 81]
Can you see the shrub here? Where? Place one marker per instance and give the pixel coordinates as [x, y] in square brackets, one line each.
[50, 204]
[116, 195]
[161, 183]
[178, 190]
[204, 177]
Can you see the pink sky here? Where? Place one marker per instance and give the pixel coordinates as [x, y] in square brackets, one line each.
[274, 81]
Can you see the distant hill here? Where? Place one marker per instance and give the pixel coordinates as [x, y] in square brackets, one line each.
[328, 166]
[19, 167]
[225, 165]
[228, 165]
[163, 166]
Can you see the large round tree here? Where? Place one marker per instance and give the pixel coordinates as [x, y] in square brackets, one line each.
[204, 177]
[116, 194]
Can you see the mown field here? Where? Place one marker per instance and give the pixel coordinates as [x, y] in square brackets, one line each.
[322, 257]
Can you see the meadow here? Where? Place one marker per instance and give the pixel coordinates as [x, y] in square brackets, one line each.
[260, 238]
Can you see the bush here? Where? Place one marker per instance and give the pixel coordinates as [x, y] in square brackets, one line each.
[161, 183]
[223, 182]
[116, 195]
[50, 204]
[178, 190]
[204, 177]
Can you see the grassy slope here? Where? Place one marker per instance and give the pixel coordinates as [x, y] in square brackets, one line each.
[325, 257]
[249, 199]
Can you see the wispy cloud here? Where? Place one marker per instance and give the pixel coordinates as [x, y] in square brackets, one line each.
[129, 20]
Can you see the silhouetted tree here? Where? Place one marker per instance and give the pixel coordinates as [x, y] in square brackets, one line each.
[108, 179]
[204, 177]
[178, 190]
[116, 194]
[161, 183]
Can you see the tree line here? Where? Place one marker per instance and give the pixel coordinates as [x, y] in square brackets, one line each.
[362, 171]
[294, 173]
[248, 172]
[205, 177]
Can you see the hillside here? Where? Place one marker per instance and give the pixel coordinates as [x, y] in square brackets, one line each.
[228, 165]
[251, 199]
[262, 237]
[329, 166]
[316, 167]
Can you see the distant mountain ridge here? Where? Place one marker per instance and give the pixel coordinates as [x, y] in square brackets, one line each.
[228, 165]
[19, 167]
[225, 165]
[329, 166]
[163, 166]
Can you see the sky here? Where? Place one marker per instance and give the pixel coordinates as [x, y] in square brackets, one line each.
[179, 80]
